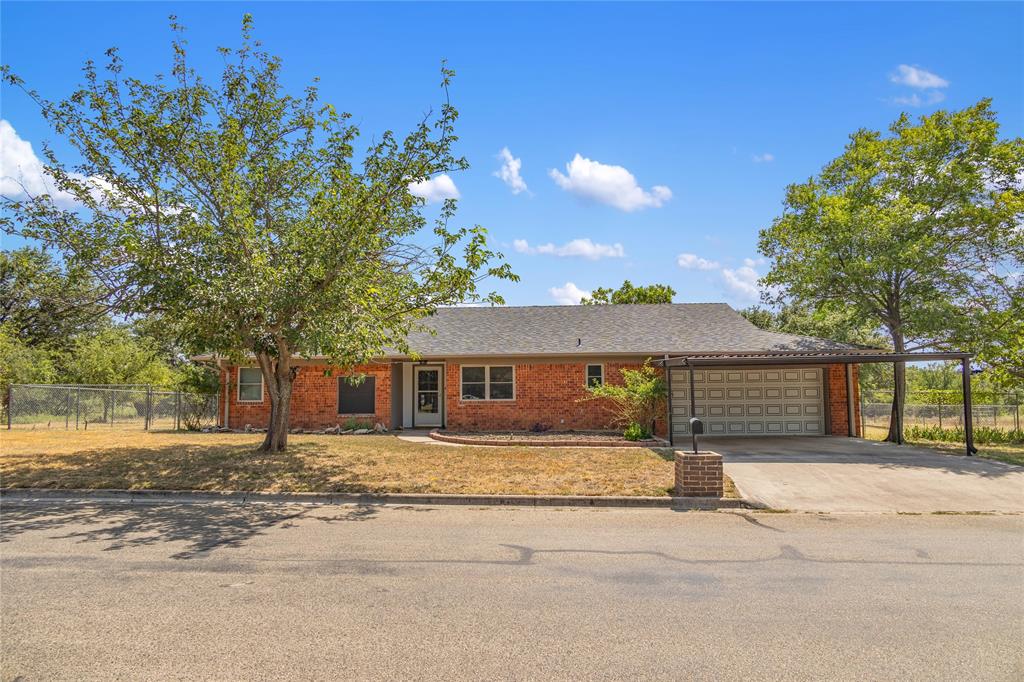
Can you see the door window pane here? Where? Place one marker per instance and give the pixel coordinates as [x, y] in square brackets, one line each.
[426, 380]
[428, 402]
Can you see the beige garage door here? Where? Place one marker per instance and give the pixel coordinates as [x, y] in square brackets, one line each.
[751, 402]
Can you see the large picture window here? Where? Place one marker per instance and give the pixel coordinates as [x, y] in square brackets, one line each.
[357, 398]
[488, 382]
[250, 385]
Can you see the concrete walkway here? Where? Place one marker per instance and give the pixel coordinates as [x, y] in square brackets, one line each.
[834, 474]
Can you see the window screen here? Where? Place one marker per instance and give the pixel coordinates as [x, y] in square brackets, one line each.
[500, 383]
[357, 399]
[250, 384]
[488, 383]
[474, 383]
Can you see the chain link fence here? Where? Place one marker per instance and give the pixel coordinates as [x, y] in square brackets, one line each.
[944, 409]
[82, 407]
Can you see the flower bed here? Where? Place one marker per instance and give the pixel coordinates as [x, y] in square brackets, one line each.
[548, 439]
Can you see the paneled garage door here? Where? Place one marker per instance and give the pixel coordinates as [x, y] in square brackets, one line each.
[751, 402]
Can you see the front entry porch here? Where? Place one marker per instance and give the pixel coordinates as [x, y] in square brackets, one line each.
[418, 395]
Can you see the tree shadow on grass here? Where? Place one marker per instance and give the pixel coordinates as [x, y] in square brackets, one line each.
[304, 467]
[201, 527]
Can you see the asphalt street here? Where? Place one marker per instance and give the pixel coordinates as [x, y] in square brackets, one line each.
[232, 592]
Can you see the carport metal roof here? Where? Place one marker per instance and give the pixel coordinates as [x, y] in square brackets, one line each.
[804, 358]
[847, 357]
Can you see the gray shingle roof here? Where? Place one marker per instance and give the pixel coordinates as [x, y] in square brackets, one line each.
[673, 328]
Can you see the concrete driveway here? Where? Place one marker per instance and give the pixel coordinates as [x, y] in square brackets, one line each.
[833, 474]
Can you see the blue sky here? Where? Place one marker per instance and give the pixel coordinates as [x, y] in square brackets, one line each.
[653, 140]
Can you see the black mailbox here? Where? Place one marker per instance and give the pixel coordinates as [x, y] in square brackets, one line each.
[696, 429]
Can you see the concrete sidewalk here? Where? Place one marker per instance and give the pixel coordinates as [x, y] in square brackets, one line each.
[834, 474]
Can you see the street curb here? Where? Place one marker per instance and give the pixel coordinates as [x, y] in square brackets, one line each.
[199, 497]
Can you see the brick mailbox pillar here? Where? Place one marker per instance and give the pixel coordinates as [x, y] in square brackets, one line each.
[698, 475]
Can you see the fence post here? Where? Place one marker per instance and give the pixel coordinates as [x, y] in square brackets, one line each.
[10, 404]
[177, 410]
[67, 412]
[149, 408]
[940, 411]
[1016, 414]
[78, 405]
[113, 407]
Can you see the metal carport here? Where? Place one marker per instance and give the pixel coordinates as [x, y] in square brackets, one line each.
[849, 358]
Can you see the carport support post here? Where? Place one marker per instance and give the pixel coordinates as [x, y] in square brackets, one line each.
[968, 425]
[693, 405]
[851, 422]
[668, 383]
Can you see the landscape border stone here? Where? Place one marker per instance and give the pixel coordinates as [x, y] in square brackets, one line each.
[552, 443]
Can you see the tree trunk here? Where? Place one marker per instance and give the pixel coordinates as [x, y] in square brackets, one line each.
[899, 392]
[278, 376]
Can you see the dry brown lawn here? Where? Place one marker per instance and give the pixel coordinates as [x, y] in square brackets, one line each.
[370, 464]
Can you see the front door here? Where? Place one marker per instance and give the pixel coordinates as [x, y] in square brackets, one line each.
[427, 401]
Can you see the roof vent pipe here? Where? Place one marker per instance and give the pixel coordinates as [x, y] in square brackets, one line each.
[579, 342]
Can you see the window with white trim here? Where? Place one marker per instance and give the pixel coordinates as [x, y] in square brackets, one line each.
[250, 385]
[595, 375]
[488, 382]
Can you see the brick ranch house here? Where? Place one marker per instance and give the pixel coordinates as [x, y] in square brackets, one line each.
[512, 368]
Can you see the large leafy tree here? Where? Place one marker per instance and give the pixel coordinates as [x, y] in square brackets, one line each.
[1000, 342]
[916, 232]
[241, 212]
[45, 304]
[627, 293]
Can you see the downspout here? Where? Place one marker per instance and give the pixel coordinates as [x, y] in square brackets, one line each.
[227, 394]
[851, 411]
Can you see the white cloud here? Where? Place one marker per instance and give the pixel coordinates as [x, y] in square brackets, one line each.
[582, 248]
[612, 185]
[754, 262]
[509, 171]
[691, 261]
[22, 173]
[929, 84]
[435, 189]
[763, 158]
[916, 77]
[915, 100]
[570, 294]
[742, 282]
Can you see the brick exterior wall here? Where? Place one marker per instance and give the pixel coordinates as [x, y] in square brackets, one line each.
[314, 399]
[699, 475]
[545, 393]
[839, 415]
